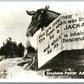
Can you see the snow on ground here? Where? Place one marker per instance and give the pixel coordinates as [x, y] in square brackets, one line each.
[10, 70]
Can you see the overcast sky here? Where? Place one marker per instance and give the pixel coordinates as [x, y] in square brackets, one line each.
[14, 20]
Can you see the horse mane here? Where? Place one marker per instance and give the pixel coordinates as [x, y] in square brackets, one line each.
[54, 12]
[50, 16]
[45, 18]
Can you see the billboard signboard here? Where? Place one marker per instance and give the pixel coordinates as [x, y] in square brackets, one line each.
[49, 42]
[65, 33]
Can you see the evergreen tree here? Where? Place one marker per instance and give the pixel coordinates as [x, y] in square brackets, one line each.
[31, 49]
[10, 49]
[20, 50]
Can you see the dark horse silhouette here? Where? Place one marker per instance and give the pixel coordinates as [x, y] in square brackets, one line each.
[41, 18]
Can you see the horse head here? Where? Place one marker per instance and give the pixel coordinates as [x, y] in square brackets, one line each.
[40, 18]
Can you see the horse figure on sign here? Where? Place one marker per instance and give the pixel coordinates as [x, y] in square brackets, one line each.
[41, 18]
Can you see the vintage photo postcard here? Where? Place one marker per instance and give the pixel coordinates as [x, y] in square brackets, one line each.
[41, 41]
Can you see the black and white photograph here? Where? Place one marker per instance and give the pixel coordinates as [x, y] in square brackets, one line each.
[40, 41]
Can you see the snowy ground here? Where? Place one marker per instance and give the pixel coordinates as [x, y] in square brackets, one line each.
[10, 70]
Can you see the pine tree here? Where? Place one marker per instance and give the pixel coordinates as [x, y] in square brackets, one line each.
[20, 50]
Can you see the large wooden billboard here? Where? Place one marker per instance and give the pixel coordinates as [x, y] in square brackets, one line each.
[73, 31]
[65, 33]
